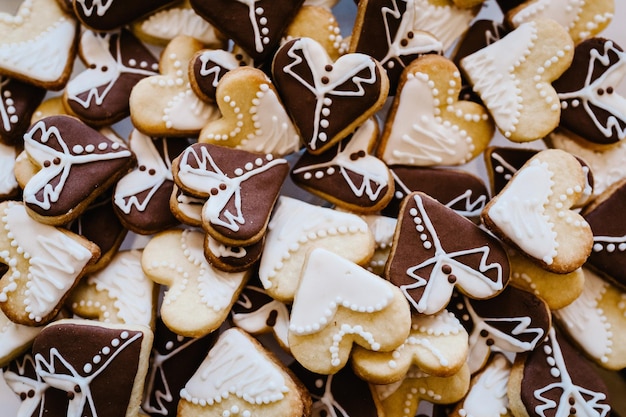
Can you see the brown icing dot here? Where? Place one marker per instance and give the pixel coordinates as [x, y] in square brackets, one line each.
[214, 191]
[223, 187]
[77, 388]
[484, 333]
[92, 66]
[600, 91]
[404, 42]
[489, 342]
[239, 57]
[70, 395]
[355, 155]
[46, 163]
[328, 68]
[142, 168]
[572, 411]
[105, 68]
[410, 35]
[271, 319]
[325, 80]
[452, 279]
[23, 396]
[446, 269]
[572, 401]
[56, 161]
[609, 90]
[152, 171]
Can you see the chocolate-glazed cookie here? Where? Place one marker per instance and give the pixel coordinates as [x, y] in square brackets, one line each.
[18, 102]
[112, 14]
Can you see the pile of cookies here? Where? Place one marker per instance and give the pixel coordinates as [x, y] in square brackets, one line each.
[291, 227]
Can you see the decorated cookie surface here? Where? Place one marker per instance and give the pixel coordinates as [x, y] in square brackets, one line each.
[38, 43]
[18, 102]
[208, 66]
[427, 125]
[111, 14]
[347, 174]
[115, 62]
[591, 106]
[76, 165]
[327, 99]
[241, 188]
[436, 250]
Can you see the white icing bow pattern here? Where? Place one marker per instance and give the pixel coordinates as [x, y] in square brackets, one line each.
[438, 288]
[52, 177]
[341, 82]
[101, 7]
[209, 176]
[107, 68]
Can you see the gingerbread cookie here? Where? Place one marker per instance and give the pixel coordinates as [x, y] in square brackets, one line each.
[513, 78]
[595, 321]
[392, 32]
[554, 379]
[165, 104]
[199, 296]
[347, 174]
[97, 368]
[514, 321]
[319, 23]
[119, 293]
[327, 99]
[328, 316]
[296, 228]
[38, 44]
[436, 250]
[256, 26]
[41, 271]
[253, 117]
[163, 25]
[588, 92]
[173, 361]
[232, 258]
[427, 125]
[437, 345]
[241, 188]
[402, 398]
[582, 19]
[141, 198]
[76, 164]
[208, 66]
[186, 207]
[113, 14]
[557, 290]
[18, 103]
[253, 382]
[457, 189]
[539, 220]
[114, 62]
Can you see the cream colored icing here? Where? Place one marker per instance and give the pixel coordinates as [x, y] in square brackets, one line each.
[296, 223]
[445, 21]
[8, 182]
[158, 170]
[38, 52]
[169, 23]
[235, 367]
[124, 281]
[419, 135]
[520, 212]
[14, 336]
[54, 259]
[586, 321]
[487, 396]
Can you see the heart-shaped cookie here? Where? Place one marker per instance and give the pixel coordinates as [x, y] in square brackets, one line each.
[18, 103]
[427, 125]
[513, 78]
[208, 66]
[253, 118]
[115, 62]
[319, 23]
[437, 344]
[582, 19]
[76, 164]
[240, 188]
[327, 99]
[591, 105]
[347, 174]
[41, 272]
[435, 250]
[165, 104]
[38, 43]
[199, 296]
[533, 212]
[328, 316]
[256, 26]
[297, 227]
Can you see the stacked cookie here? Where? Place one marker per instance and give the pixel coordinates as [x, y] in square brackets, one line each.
[292, 225]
